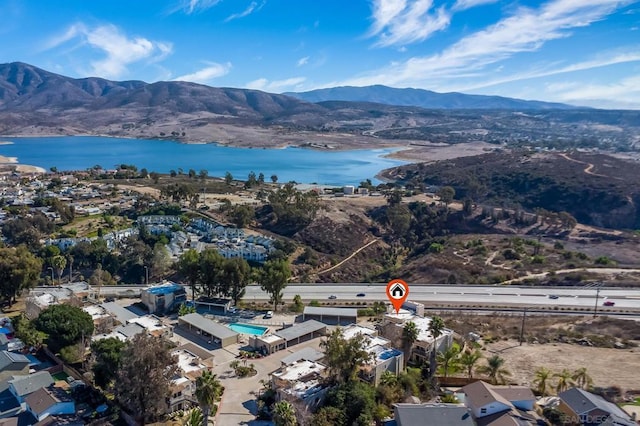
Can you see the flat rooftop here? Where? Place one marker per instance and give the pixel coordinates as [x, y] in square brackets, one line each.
[298, 370]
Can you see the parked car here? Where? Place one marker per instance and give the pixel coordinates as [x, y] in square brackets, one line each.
[609, 303]
[360, 295]
[268, 315]
[333, 296]
[553, 296]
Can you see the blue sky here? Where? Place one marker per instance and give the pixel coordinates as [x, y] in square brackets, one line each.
[585, 52]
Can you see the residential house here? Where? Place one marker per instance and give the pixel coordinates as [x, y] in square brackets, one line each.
[585, 408]
[23, 386]
[12, 364]
[393, 326]
[500, 405]
[163, 298]
[301, 381]
[192, 361]
[46, 402]
[432, 415]
[383, 357]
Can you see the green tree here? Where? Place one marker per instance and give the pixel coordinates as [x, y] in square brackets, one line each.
[344, 357]
[494, 370]
[436, 328]
[64, 325]
[211, 267]
[565, 380]
[468, 361]
[161, 260]
[410, 334]
[448, 360]
[274, 178]
[155, 177]
[26, 331]
[208, 391]
[243, 215]
[298, 306]
[581, 378]
[185, 310]
[236, 274]
[273, 278]
[356, 400]
[251, 180]
[284, 414]
[19, 270]
[261, 178]
[446, 195]
[194, 418]
[189, 269]
[144, 377]
[228, 178]
[541, 380]
[328, 416]
[59, 263]
[108, 358]
[203, 175]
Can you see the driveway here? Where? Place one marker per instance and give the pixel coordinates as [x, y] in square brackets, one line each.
[239, 404]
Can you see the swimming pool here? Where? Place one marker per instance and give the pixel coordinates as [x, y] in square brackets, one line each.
[254, 330]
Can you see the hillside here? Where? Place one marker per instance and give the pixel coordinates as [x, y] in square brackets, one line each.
[35, 102]
[422, 98]
[596, 189]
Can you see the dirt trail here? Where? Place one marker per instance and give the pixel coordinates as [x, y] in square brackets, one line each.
[588, 169]
[347, 258]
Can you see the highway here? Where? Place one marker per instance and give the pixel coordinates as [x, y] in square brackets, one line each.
[453, 294]
[578, 297]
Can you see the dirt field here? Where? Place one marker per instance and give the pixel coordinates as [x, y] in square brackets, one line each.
[607, 367]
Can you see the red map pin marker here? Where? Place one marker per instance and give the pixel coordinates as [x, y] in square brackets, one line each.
[397, 292]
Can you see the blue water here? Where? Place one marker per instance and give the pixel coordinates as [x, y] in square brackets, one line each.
[254, 330]
[297, 164]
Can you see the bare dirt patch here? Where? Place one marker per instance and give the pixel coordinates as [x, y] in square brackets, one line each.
[607, 367]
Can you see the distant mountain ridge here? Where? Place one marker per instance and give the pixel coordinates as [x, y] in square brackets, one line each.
[422, 98]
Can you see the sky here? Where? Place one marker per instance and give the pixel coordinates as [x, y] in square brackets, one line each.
[581, 52]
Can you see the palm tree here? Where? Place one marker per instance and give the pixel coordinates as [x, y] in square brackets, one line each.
[581, 378]
[208, 391]
[409, 336]
[564, 380]
[494, 370]
[468, 361]
[284, 414]
[449, 359]
[59, 262]
[541, 380]
[195, 418]
[436, 327]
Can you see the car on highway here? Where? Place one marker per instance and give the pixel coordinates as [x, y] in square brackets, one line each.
[609, 303]
[333, 296]
[553, 296]
[360, 295]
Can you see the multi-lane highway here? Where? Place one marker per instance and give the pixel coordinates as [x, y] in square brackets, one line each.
[578, 297]
[485, 295]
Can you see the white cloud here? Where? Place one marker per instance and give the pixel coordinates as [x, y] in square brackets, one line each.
[120, 50]
[526, 30]
[468, 4]
[205, 75]
[276, 86]
[397, 22]
[603, 60]
[193, 6]
[253, 7]
[303, 61]
[624, 93]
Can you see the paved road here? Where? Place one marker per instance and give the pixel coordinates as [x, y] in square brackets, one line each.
[498, 295]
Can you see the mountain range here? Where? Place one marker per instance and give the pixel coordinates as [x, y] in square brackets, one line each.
[35, 102]
[422, 98]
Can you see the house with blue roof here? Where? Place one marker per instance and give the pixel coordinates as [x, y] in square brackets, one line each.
[163, 298]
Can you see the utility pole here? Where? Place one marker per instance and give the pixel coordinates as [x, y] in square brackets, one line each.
[146, 274]
[524, 316]
[595, 307]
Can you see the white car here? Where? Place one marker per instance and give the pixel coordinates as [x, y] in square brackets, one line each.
[268, 315]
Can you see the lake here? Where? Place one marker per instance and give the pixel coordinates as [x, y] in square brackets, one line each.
[298, 164]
